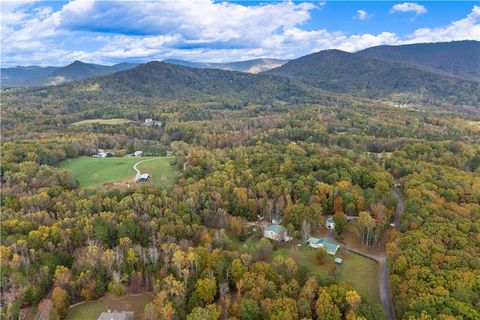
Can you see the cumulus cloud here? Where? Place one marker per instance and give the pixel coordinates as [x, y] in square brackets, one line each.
[467, 28]
[409, 7]
[110, 32]
[361, 15]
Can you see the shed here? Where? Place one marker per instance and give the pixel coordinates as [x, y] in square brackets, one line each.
[143, 178]
[338, 260]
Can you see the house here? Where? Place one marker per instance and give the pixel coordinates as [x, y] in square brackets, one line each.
[276, 232]
[116, 315]
[338, 260]
[329, 246]
[143, 178]
[151, 122]
[330, 224]
[137, 154]
[102, 154]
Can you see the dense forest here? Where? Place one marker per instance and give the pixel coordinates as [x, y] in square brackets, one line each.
[270, 148]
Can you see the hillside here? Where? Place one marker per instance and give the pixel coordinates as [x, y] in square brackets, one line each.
[344, 72]
[40, 76]
[458, 58]
[159, 81]
[24, 76]
[251, 66]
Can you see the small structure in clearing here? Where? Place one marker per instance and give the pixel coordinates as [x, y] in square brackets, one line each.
[338, 260]
[103, 154]
[151, 122]
[143, 178]
[329, 246]
[116, 315]
[276, 232]
[137, 154]
[330, 224]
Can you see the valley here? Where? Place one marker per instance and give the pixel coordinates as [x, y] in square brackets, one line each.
[335, 186]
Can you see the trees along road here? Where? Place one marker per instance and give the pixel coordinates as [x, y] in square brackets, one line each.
[383, 280]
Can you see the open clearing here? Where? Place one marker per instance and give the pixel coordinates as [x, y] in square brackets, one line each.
[94, 172]
[91, 310]
[358, 271]
[101, 121]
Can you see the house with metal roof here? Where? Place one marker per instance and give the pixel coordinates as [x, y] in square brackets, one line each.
[276, 232]
[329, 246]
[330, 223]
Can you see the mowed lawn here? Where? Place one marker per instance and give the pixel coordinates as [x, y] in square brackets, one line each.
[101, 121]
[91, 310]
[162, 173]
[92, 172]
[361, 273]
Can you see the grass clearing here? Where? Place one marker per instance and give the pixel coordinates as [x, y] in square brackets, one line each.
[94, 172]
[101, 121]
[91, 310]
[359, 272]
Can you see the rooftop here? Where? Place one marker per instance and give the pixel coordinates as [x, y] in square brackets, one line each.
[329, 245]
[116, 315]
[276, 228]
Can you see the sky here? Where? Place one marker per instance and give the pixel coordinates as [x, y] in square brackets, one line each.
[108, 32]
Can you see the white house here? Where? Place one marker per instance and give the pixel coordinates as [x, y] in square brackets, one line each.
[149, 121]
[100, 154]
[276, 232]
[330, 224]
[137, 154]
[329, 246]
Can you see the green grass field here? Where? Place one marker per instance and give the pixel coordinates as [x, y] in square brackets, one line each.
[93, 172]
[91, 310]
[356, 270]
[101, 121]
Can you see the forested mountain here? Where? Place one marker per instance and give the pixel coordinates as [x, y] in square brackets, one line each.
[458, 58]
[339, 71]
[159, 81]
[24, 76]
[251, 66]
[39, 76]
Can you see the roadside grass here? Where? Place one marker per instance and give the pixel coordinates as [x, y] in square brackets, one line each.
[94, 172]
[361, 273]
[101, 121]
[91, 310]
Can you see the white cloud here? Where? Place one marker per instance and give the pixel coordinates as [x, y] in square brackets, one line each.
[467, 28]
[110, 32]
[362, 15]
[409, 7]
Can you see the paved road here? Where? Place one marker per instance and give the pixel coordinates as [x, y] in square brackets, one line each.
[382, 260]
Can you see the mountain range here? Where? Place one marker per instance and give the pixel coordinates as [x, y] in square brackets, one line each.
[78, 70]
[366, 74]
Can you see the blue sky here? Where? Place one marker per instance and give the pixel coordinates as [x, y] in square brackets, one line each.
[107, 32]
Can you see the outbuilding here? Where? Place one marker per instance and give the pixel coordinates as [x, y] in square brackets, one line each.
[143, 178]
[330, 223]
